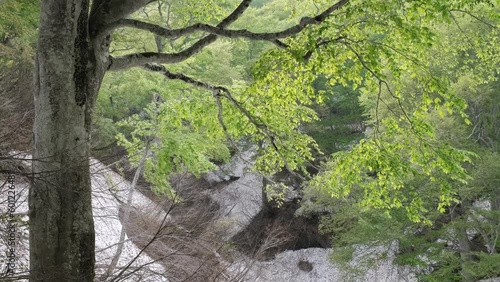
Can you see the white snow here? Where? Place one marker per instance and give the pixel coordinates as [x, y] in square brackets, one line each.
[109, 191]
[285, 268]
[241, 200]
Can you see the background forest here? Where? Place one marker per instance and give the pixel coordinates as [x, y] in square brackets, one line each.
[392, 134]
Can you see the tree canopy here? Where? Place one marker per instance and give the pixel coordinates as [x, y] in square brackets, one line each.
[377, 47]
[403, 93]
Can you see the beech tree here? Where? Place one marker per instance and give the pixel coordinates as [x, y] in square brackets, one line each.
[71, 60]
[350, 42]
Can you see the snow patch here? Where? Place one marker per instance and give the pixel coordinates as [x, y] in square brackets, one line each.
[241, 200]
[289, 267]
[109, 191]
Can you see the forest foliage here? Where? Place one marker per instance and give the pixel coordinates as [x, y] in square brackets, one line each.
[397, 102]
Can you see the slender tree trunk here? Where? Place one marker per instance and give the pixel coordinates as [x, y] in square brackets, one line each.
[126, 215]
[66, 80]
[459, 213]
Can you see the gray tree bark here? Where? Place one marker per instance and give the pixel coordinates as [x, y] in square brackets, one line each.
[68, 71]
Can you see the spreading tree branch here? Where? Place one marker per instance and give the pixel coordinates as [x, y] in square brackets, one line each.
[230, 33]
[221, 91]
[221, 31]
[140, 59]
[215, 30]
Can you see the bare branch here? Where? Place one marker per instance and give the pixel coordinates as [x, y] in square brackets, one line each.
[155, 237]
[15, 278]
[126, 216]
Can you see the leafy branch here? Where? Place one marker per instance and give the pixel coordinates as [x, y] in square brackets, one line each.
[221, 91]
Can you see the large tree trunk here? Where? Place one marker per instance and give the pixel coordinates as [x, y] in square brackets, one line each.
[66, 80]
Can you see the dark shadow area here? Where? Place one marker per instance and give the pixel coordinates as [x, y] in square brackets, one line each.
[270, 233]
